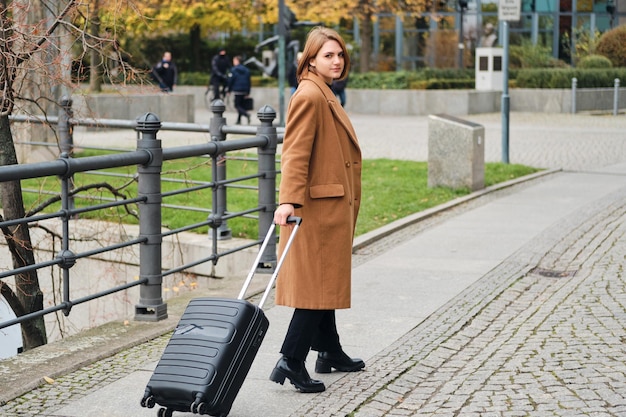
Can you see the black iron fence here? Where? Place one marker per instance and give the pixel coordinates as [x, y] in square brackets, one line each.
[148, 159]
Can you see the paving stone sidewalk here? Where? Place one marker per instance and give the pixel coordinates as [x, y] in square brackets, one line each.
[543, 334]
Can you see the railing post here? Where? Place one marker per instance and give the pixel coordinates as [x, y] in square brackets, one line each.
[151, 306]
[267, 180]
[67, 257]
[66, 139]
[65, 128]
[616, 97]
[217, 122]
[574, 82]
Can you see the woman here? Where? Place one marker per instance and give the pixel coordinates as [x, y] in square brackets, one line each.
[320, 182]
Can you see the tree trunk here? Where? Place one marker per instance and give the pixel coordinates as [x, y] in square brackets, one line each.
[194, 41]
[27, 291]
[366, 37]
[95, 66]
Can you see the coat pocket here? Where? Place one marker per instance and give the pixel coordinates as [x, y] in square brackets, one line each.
[327, 190]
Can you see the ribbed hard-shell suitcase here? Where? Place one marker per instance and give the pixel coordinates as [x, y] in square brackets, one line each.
[210, 353]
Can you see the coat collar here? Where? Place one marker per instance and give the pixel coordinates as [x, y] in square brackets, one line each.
[335, 107]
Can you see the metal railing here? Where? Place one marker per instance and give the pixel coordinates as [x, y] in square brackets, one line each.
[148, 158]
[616, 90]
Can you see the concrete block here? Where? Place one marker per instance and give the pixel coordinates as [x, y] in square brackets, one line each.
[169, 107]
[456, 153]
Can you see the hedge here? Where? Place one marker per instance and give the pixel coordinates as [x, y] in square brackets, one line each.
[562, 78]
[436, 79]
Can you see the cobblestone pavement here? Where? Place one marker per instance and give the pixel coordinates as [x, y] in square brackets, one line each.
[541, 335]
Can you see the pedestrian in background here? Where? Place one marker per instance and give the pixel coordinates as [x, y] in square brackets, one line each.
[291, 76]
[165, 73]
[320, 182]
[220, 67]
[239, 85]
[339, 88]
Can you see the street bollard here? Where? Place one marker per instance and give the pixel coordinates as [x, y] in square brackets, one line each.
[616, 97]
[574, 82]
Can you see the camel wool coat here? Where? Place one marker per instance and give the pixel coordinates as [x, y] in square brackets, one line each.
[321, 177]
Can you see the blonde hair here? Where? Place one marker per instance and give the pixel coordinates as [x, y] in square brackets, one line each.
[316, 38]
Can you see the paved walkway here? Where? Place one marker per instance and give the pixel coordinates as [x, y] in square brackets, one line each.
[510, 304]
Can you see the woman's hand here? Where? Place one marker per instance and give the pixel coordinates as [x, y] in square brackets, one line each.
[282, 212]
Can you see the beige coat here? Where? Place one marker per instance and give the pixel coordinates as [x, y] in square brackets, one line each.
[321, 177]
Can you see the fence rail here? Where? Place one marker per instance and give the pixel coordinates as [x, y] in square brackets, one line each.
[148, 159]
[615, 101]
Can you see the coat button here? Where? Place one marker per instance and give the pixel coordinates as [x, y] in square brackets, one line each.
[347, 164]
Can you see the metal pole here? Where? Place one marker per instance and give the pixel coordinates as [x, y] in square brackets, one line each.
[505, 92]
[574, 85]
[151, 306]
[616, 97]
[217, 122]
[399, 42]
[461, 40]
[67, 256]
[66, 139]
[64, 127]
[267, 181]
[282, 33]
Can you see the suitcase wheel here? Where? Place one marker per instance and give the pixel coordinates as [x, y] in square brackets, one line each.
[165, 412]
[197, 408]
[148, 402]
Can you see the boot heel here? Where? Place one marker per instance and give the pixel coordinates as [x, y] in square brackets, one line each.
[322, 367]
[277, 377]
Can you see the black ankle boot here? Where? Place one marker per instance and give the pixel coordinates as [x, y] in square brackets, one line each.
[297, 374]
[338, 360]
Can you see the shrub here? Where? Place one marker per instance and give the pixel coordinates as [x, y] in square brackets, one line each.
[528, 55]
[595, 62]
[612, 45]
[193, 78]
[421, 79]
[443, 84]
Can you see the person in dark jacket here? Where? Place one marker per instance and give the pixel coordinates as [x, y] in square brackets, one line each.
[239, 84]
[339, 88]
[220, 66]
[291, 76]
[165, 73]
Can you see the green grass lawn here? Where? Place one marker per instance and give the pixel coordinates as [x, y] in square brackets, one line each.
[392, 189]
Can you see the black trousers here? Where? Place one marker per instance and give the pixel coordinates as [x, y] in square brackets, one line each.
[219, 88]
[239, 105]
[310, 329]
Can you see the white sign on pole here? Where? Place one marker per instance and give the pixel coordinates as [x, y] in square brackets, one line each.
[510, 10]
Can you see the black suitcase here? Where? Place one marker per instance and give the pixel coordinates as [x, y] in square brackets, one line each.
[210, 353]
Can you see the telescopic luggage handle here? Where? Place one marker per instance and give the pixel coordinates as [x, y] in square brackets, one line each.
[291, 219]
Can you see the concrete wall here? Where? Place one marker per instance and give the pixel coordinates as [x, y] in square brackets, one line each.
[180, 106]
[175, 107]
[452, 102]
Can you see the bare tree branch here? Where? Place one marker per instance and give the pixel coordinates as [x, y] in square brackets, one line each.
[45, 37]
[101, 185]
